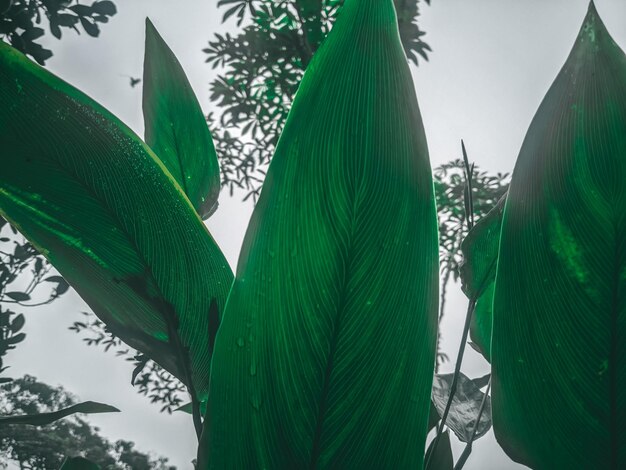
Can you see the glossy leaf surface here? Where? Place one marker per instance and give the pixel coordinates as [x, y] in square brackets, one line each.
[176, 129]
[478, 274]
[91, 196]
[42, 419]
[559, 336]
[325, 354]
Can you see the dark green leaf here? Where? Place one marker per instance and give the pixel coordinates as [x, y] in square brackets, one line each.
[176, 128]
[99, 204]
[18, 296]
[18, 323]
[42, 419]
[478, 274]
[442, 459]
[104, 7]
[465, 406]
[325, 353]
[559, 330]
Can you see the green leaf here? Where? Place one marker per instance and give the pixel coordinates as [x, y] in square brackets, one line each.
[95, 200]
[78, 463]
[442, 459]
[18, 296]
[325, 354]
[42, 419]
[176, 128]
[559, 331]
[465, 405]
[478, 274]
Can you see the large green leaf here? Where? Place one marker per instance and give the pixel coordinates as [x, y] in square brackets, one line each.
[42, 419]
[102, 208]
[176, 129]
[325, 355]
[478, 274]
[559, 332]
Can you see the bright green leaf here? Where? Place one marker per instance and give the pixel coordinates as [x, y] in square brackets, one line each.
[176, 128]
[559, 331]
[325, 354]
[478, 274]
[97, 202]
[42, 419]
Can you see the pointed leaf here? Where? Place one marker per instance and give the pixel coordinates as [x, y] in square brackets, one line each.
[42, 419]
[97, 202]
[176, 128]
[325, 354]
[478, 274]
[559, 331]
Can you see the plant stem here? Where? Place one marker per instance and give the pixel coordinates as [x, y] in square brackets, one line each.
[455, 379]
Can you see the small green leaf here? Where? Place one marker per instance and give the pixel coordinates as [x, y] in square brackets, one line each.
[176, 128]
[18, 296]
[43, 419]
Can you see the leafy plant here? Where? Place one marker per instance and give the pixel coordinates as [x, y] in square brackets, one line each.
[21, 21]
[21, 265]
[44, 447]
[328, 338]
[99, 217]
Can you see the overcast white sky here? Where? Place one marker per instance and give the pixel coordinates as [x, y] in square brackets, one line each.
[492, 63]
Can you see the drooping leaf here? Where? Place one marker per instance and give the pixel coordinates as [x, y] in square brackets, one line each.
[559, 331]
[78, 463]
[325, 354]
[176, 129]
[18, 296]
[478, 274]
[465, 406]
[442, 458]
[103, 209]
[42, 419]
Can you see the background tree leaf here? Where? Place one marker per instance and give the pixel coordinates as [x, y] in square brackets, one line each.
[97, 202]
[325, 354]
[42, 419]
[558, 345]
[176, 128]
